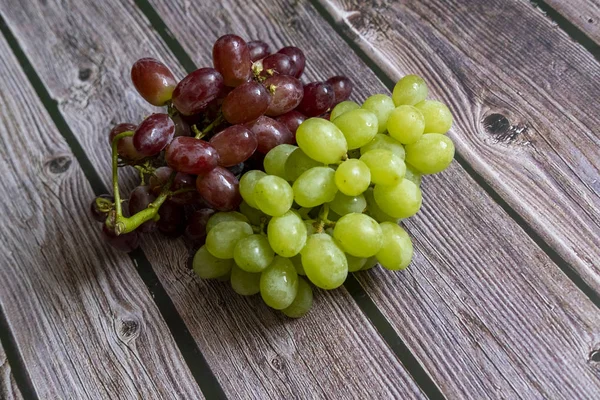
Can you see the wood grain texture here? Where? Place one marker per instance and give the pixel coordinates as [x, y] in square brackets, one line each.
[483, 308]
[524, 97]
[8, 386]
[254, 352]
[83, 321]
[584, 14]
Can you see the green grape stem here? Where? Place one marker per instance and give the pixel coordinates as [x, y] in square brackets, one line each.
[322, 222]
[201, 133]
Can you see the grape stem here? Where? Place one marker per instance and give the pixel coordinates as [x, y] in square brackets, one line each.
[322, 221]
[201, 133]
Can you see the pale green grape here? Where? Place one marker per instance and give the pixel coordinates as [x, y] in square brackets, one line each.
[412, 175]
[342, 204]
[355, 263]
[279, 283]
[247, 184]
[400, 201]
[321, 140]
[373, 209]
[243, 282]
[255, 216]
[324, 262]
[297, 261]
[352, 177]
[303, 301]
[386, 167]
[406, 124]
[358, 126]
[438, 118]
[397, 249]
[410, 90]
[253, 253]
[342, 108]
[287, 234]
[273, 195]
[315, 187]
[221, 240]
[207, 266]
[385, 142]
[275, 159]
[382, 106]
[224, 216]
[358, 235]
[433, 153]
[297, 163]
[370, 263]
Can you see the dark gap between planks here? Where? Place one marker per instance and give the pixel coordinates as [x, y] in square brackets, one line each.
[364, 302]
[192, 355]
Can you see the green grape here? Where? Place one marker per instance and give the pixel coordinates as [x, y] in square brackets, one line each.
[315, 187]
[243, 282]
[397, 249]
[324, 262]
[221, 240]
[273, 195]
[224, 216]
[433, 153]
[386, 167]
[373, 209]
[352, 177]
[255, 216]
[342, 204]
[370, 263]
[297, 261]
[358, 126]
[385, 142]
[275, 159]
[207, 266]
[287, 234]
[406, 124]
[310, 228]
[438, 118]
[382, 106]
[297, 163]
[342, 108]
[358, 235]
[253, 253]
[321, 140]
[279, 283]
[227, 276]
[355, 263]
[247, 184]
[410, 90]
[400, 201]
[303, 301]
[412, 175]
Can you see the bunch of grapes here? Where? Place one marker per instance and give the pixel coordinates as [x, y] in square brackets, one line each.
[276, 183]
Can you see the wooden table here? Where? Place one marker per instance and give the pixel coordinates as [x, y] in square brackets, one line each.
[501, 300]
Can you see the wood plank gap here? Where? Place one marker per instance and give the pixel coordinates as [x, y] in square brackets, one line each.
[192, 355]
[564, 265]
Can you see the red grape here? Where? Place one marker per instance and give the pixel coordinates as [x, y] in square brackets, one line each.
[287, 96]
[125, 146]
[192, 156]
[342, 88]
[220, 189]
[246, 103]
[153, 80]
[231, 58]
[318, 98]
[270, 133]
[159, 179]
[237, 169]
[298, 60]
[185, 181]
[139, 198]
[182, 128]
[172, 219]
[97, 214]
[292, 120]
[125, 242]
[234, 145]
[196, 228]
[258, 49]
[153, 134]
[276, 64]
[195, 91]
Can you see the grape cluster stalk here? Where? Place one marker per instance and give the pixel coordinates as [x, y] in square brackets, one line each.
[276, 184]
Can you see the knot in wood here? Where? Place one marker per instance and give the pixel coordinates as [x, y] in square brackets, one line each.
[594, 356]
[500, 127]
[277, 363]
[128, 330]
[84, 74]
[59, 165]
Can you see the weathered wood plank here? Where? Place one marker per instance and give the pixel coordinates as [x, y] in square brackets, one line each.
[82, 319]
[313, 357]
[8, 385]
[584, 14]
[483, 308]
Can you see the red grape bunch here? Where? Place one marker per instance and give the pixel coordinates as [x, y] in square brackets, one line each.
[275, 183]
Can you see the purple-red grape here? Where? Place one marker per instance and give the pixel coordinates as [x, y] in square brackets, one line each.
[258, 49]
[97, 214]
[195, 91]
[276, 64]
[231, 57]
[220, 189]
[292, 120]
[139, 198]
[191, 155]
[234, 145]
[318, 98]
[125, 147]
[172, 220]
[153, 80]
[159, 179]
[182, 128]
[196, 227]
[298, 59]
[287, 95]
[185, 181]
[153, 134]
[342, 88]
[270, 133]
[125, 242]
[246, 103]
